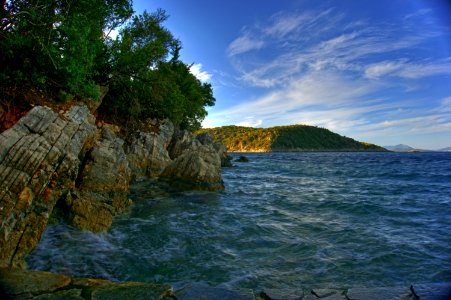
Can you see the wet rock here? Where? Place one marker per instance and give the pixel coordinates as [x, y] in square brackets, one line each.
[327, 294]
[281, 294]
[72, 294]
[380, 293]
[242, 158]
[39, 162]
[131, 290]
[147, 153]
[21, 284]
[213, 293]
[226, 159]
[199, 168]
[89, 211]
[432, 291]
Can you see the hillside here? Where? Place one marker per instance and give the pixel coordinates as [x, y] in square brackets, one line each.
[285, 138]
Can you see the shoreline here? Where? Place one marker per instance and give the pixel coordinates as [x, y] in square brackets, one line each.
[34, 284]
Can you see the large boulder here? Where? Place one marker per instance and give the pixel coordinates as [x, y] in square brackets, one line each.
[39, 163]
[102, 185]
[199, 168]
[207, 138]
[147, 152]
[181, 140]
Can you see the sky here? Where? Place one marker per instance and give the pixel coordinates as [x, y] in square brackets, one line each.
[376, 71]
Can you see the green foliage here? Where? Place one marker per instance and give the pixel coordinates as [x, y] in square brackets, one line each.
[61, 49]
[286, 138]
[53, 45]
[145, 84]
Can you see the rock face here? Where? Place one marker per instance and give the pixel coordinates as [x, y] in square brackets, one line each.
[198, 167]
[147, 153]
[63, 162]
[39, 162]
[102, 185]
[181, 140]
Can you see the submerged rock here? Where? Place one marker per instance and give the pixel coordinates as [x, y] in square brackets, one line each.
[195, 292]
[242, 158]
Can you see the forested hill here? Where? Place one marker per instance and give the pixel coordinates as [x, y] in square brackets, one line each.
[286, 138]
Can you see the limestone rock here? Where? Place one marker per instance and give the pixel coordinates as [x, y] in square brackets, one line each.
[181, 141]
[16, 283]
[199, 167]
[205, 138]
[39, 161]
[102, 185]
[226, 159]
[147, 153]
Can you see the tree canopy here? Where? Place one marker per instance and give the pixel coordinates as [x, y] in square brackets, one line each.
[63, 49]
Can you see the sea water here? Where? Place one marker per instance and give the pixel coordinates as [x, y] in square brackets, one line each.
[284, 220]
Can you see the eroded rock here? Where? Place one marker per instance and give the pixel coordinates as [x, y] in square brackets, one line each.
[147, 153]
[199, 167]
[39, 162]
[102, 185]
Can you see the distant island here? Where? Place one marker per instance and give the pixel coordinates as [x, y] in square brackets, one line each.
[400, 148]
[407, 148]
[286, 138]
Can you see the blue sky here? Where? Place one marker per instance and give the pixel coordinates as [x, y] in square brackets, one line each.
[377, 71]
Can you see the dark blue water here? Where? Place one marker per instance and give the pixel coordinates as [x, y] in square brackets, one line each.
[285, 220]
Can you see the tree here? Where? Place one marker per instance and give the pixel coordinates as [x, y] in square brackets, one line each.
[148, 80]
[54, 45]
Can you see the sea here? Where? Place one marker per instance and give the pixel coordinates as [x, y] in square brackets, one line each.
[284, 220]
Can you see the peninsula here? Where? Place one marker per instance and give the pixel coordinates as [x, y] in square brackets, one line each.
[294, 138]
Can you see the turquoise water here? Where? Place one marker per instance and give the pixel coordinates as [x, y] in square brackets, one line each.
[285, 220]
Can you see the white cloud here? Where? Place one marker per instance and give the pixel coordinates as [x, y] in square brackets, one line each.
[196, 70]
[284, 24]
[414, 71]
[445, 105]
[418, 13]
[250, 122]
[244, 44]
[407, 70]
[381, 69]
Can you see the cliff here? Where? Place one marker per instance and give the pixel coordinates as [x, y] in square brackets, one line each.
[285, 138]
[63, 163]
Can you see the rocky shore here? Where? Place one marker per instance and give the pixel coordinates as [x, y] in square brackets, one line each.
[22, 284]
[67, 164]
